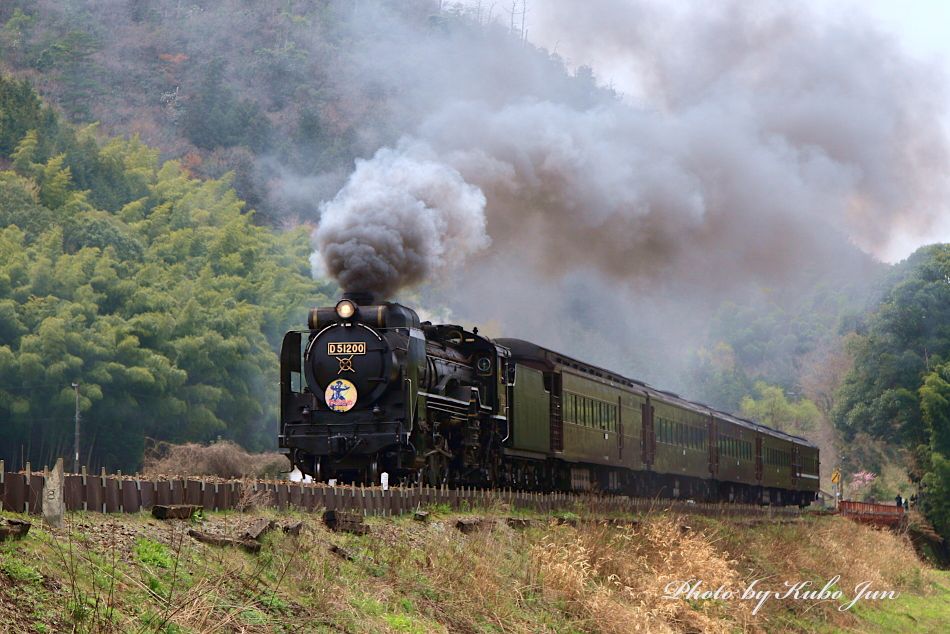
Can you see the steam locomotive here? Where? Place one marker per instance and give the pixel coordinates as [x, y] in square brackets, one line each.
[368, 388]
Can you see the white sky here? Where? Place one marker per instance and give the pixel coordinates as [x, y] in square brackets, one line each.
[922, 26]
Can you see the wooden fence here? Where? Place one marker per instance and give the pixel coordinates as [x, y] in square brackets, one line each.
[22, 493]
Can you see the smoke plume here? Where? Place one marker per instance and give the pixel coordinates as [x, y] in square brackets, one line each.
[754, 149]
[401, 218]
[762, 141]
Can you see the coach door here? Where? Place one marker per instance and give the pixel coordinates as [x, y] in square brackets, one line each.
[647, 437]
[557, 418]
[758, 457]
[620, 428]
[712, 437]
[795, 466]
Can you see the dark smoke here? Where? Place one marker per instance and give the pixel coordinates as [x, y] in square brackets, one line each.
[402, 217]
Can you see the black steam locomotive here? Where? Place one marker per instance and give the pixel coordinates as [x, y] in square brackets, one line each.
[368, 389]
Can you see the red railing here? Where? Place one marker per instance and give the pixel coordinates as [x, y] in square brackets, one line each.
[870, 513]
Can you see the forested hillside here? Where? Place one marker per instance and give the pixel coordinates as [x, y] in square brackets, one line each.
[896, 399]
[155, 291]
[284, 94]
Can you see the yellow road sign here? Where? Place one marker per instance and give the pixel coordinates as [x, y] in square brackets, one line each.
[836, 476]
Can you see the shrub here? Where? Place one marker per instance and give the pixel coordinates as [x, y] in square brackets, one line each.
[224, 459]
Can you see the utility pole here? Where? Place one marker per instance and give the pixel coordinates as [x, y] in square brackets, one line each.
[76, 438]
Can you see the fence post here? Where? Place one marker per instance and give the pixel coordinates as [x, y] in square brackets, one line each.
[29, 472]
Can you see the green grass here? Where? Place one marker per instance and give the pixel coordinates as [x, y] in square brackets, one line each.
[909, 612]
[152, 553]
[20, 571]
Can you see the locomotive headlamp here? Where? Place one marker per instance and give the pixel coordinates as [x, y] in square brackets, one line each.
[345, 309]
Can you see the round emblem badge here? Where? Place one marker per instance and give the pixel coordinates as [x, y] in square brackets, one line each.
[340, 395]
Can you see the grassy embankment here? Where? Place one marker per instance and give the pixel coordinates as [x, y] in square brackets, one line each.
[135, 574]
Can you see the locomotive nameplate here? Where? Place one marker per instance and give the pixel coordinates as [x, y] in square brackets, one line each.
[347, 348]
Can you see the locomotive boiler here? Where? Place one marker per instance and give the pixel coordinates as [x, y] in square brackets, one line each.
[368, 388]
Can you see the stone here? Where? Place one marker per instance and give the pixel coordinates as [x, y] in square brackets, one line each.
[54, 503]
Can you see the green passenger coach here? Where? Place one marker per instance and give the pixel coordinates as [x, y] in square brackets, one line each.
[586, 428]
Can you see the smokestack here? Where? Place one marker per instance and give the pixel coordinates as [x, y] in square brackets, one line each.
[361, 298]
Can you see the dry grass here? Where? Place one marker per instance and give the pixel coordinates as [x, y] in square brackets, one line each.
[614, 579]
[223, 459]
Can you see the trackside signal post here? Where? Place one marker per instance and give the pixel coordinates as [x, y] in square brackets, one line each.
[836, 485]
